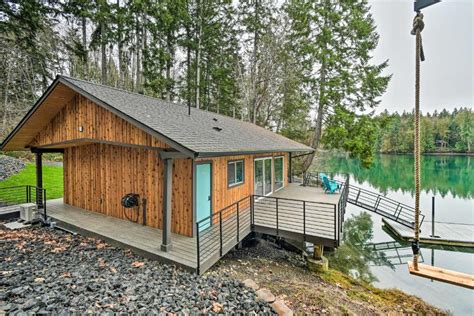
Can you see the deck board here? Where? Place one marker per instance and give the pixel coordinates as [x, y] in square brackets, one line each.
[145, 240]
[135, 236]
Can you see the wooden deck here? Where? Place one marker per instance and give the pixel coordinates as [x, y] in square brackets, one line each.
[143, 240]
[450, 234]
[296, 212]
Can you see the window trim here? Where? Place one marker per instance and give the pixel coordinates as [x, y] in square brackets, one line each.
[271, 172]
[234, 162]
[282, 172]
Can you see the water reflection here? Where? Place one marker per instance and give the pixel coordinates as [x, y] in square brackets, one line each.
[440, 174]
[372, 254]
[357, 253]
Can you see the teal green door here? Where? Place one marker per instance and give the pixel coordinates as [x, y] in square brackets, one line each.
[203, 195]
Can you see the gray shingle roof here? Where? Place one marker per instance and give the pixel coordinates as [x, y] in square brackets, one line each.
[195, 132]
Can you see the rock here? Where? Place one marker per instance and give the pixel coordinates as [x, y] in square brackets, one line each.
[251, 284]
[9, 166]
[29, 304]
[281, 309]
[265, 295]
[81, 280]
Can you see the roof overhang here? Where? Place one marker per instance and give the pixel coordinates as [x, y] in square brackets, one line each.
[44, 110]
[58, 94]
[251, 152]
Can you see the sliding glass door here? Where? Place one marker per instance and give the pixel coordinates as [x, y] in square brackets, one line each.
[263, 176]
[278, 166]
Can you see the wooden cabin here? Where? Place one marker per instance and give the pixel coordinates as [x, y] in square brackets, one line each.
[186, 163]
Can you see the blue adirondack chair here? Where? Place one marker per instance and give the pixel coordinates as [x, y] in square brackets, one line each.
[330, 186]
[321, 177]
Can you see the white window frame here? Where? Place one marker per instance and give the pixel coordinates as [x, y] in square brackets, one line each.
[271, 172]
[282, 171]
[234, 162]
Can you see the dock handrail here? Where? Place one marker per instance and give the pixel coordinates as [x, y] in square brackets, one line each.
[382, 205]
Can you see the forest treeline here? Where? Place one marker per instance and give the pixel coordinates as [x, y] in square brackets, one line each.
[301, 68]
[442, 131]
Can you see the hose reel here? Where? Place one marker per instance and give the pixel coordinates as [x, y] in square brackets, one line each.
[133, 201]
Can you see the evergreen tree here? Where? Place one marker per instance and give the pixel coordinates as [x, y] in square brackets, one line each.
[334, 40]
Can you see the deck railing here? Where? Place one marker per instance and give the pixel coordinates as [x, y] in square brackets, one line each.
[219, 232]
[284, 216]
[342, 204]
[315, 222]
[14, 195]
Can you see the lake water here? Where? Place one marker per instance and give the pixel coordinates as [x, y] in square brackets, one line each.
[450, 179]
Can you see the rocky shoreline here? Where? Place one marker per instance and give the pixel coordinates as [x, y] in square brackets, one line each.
[286, 275]
[10, 166]
[49, 271]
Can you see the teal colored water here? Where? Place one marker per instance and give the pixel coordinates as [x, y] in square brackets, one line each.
[370, 253]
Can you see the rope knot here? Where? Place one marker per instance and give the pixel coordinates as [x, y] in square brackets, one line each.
[418, 24]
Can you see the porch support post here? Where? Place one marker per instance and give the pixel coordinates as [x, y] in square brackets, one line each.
[290, 172]
[39, 179]
[167, 195]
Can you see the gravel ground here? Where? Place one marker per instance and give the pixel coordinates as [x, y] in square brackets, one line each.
[9, 166]
[48, 271]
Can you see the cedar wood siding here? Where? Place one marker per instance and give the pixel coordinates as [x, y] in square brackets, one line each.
[96, 176]
[222, 195]
[97, 123]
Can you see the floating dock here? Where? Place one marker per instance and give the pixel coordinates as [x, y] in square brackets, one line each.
[449, 234]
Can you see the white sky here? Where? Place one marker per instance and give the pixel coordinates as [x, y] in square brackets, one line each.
[448, 41]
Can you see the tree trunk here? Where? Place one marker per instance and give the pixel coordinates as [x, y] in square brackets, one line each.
[198, 54]
[319, 119]
[188, 67]
[253, 71]
[103, 54]
[121, 82]
[85, 62]
[137, 57]
[169, 64]
[5, 102]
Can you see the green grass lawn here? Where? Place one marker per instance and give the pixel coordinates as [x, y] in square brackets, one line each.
[52, 179]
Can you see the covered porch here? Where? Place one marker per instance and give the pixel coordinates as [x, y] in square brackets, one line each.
[143, 240]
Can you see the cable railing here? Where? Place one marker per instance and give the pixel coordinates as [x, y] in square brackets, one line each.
[219, 232]
[382, 205]
[316, 222]
[20, 194]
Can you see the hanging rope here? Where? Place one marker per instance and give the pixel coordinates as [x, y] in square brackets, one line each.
[418, 26]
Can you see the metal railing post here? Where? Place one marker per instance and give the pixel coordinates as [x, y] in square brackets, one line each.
[44, 205]
[357, 198]
[304, 221]
[198, 250]
[252, 210]
[276, 204]
[396, 211]
[335, 225]
[377, 202]
[220, 233]
[238, 223]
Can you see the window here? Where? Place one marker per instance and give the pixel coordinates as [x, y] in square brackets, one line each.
[235, 172]
[278, 169]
